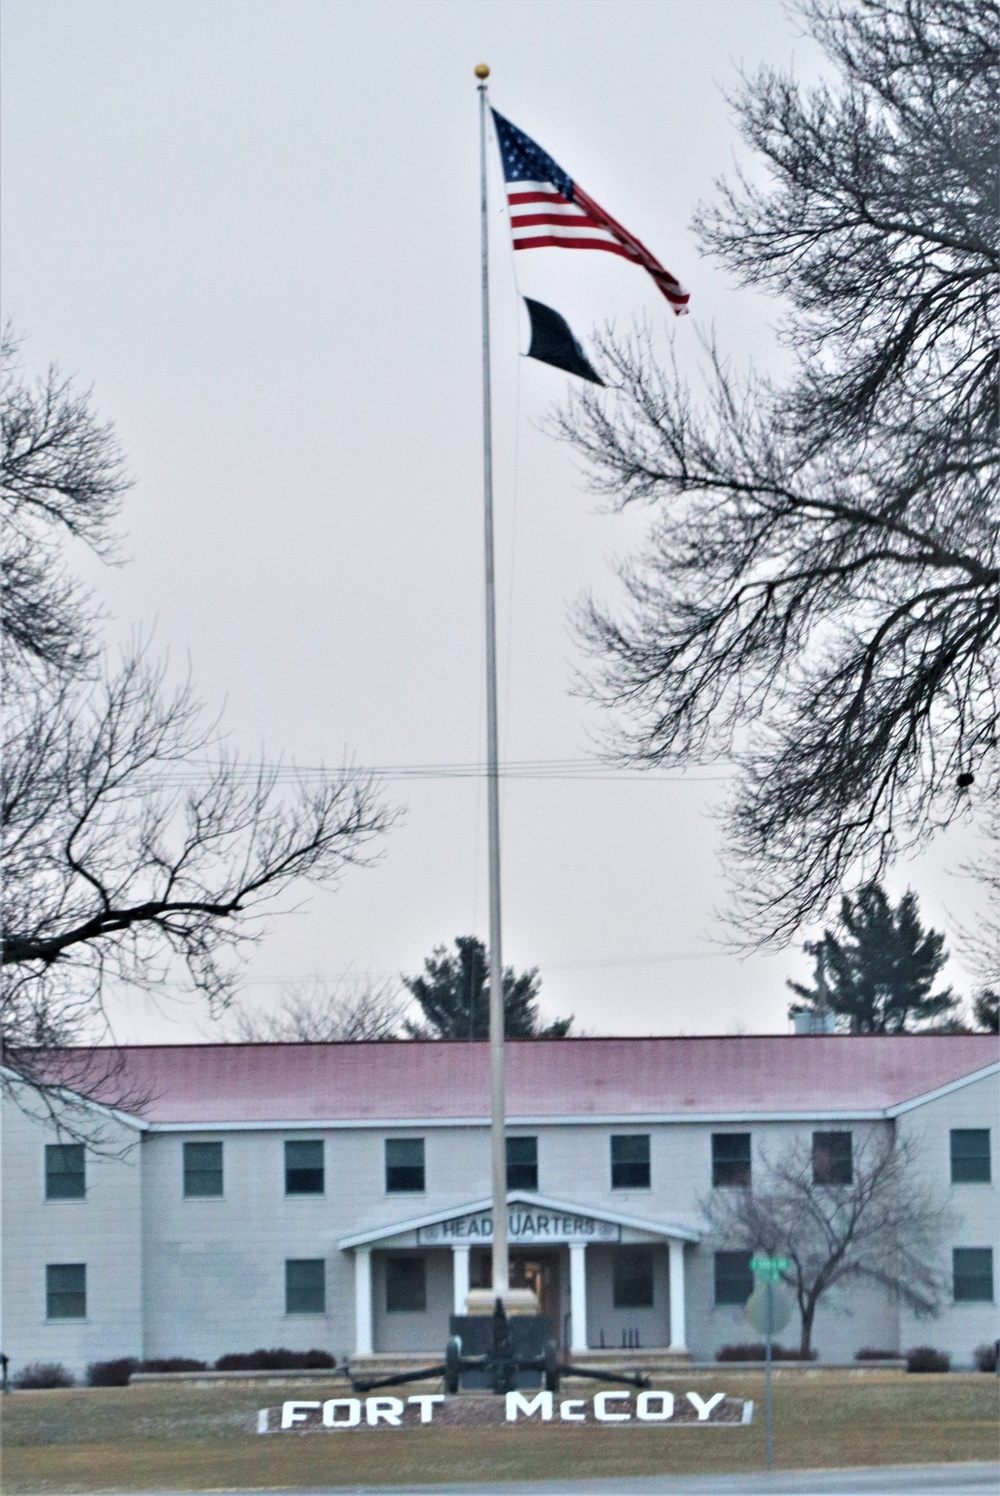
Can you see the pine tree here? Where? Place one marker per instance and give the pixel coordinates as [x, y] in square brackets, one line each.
[453, 993]
[876, 970]
[986, 1010]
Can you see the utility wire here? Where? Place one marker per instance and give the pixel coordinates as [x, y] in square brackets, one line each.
[197, 771]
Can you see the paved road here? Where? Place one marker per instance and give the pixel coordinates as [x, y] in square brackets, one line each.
[916, 1480]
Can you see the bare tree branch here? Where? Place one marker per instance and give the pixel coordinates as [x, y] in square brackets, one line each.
[819, 595]
[350, 1011]
[62, 475]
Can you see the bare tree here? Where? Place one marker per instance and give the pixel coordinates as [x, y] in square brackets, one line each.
[63, 476]
[131, 845]
[819, 596]
[318, 1012]
[124, 853]
[880, 1226]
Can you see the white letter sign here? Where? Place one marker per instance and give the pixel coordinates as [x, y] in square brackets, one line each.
[516, 1403]
[425, 1402]
[703, 1408]
[353, 1406]
[644, 1411]
[295, 1412]
[566, 1410]
[388, 1409]
[601, 1407]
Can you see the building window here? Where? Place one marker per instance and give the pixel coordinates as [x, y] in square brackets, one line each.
[405, 1285]
[630, 1161]
[633, 1278]
[304, 1168]
[972, 1275]
[66, 1290]
[970, 1155]
[832, 1161]
[202, 1170]
[404, 1167]
[305, 1285]
[733, 1278]
[65, 1178]
[731, 1160]
[522, 1163]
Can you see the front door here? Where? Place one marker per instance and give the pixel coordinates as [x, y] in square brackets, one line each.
[528, 1269]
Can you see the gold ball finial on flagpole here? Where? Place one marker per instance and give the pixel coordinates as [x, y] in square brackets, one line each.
[482, 71]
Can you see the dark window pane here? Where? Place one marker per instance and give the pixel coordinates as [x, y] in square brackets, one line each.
[66, 1290]
[733, 1278]
[65, 1178]
[970, 1155]
[404, 1166]
[633, 1278]
[630, 1161]
[305, 1286]
[304, 1168]
[202, 1169]
[972, 1269]
[405, 1285]
[522, 1163]
[832, 1160]
[731, 1160]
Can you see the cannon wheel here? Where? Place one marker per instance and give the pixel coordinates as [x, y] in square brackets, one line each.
[452, 1364]
[550, 1380]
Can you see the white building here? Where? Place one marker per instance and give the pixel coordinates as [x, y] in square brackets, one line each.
[335, 1195]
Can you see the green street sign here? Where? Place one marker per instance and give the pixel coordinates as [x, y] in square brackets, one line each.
[770, 1267]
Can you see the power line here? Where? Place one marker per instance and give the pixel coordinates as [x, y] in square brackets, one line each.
[197, 771]
[613, 961]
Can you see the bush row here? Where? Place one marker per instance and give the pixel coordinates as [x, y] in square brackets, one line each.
[117, 1373]
[756, 1351]
[922, 1358]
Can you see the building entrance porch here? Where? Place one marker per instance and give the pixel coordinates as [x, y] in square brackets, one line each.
[598, 1274]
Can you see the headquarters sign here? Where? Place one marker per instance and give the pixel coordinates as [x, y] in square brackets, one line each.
[526, 1226]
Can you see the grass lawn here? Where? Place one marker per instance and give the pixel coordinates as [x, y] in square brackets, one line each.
[185, 1438]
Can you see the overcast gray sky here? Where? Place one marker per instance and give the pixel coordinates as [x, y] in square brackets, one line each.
[252, 225]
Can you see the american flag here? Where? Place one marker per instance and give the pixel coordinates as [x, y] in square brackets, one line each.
[548, 208]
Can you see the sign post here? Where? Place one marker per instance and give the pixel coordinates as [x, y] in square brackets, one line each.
[768, 1315]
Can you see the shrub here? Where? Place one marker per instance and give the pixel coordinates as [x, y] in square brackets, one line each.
[44, 1374]
[926, 1358]
[117, 1373]
[275, 1360]
[111, 1373]
[757, 1351]
[985, 1356]
[868, 1354]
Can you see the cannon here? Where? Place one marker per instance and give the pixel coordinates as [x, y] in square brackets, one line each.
[500, 1353]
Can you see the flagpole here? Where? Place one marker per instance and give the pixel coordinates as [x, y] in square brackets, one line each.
[501, 1256]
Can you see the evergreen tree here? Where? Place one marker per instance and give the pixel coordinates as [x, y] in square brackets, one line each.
[986, 1010]
[454, 994]
[876, 971]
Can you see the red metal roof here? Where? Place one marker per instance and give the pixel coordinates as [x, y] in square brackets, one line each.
[233, 1083]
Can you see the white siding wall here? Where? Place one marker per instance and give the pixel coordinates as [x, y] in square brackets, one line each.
[975, 1210]
[102, 1230]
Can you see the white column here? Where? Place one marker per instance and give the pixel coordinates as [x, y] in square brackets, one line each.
[578, 1295]
[460, 1277]
[362, 1301]
[678, 1327]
